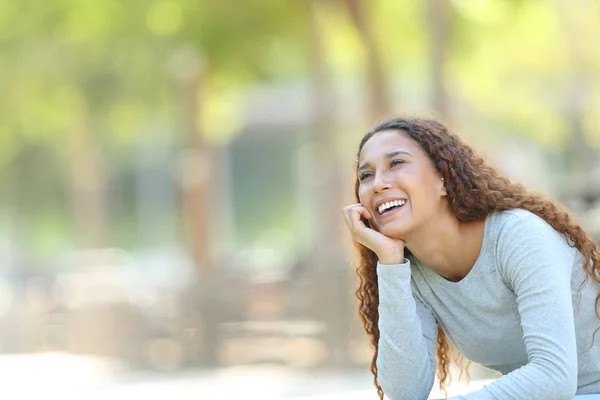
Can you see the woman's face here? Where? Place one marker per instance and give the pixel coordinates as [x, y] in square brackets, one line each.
[398, 184]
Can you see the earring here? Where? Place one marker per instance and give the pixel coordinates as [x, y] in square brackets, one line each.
[442, 179]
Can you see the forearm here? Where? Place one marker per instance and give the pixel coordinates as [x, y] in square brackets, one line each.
[408, 333]
[532, 381]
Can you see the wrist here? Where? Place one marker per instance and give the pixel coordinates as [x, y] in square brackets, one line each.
[392, 259]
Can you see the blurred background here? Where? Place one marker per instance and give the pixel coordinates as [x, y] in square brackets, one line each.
[173, 173]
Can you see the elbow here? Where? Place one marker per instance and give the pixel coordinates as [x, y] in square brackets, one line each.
[564, 379]
[568, 387]
[392, 388]
[396, 392]
[568, 382]
[404, 386]
[566, 390]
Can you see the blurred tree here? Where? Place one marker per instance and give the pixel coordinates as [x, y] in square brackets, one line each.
[507, 70]
[437, 22]
[575, 23]
[35, 44]
[327, 262]
[377, 82]
[220, 45]
[88, 186]
[219, 42]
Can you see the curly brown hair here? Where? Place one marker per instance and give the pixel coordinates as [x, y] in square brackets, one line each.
[474, 189]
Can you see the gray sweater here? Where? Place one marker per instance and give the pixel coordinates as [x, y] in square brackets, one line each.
[519, 311]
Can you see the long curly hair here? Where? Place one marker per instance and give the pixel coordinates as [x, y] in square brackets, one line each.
[474, 189]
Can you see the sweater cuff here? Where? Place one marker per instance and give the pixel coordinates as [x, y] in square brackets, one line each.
[406, 263]
[394, 271]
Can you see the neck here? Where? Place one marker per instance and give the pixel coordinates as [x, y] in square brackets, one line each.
[447, 245]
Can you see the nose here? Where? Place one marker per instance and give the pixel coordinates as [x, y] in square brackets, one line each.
[379, 184]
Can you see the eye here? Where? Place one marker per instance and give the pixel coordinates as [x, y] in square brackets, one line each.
[393, 163]
[364, 176]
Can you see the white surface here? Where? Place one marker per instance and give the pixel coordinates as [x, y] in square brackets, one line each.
[69, 377]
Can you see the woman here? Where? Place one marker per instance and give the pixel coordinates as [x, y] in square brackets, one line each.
[452, 252]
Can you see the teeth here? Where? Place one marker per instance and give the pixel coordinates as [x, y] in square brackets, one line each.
[390, 204]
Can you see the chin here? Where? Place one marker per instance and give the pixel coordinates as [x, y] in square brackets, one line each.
[394, 231]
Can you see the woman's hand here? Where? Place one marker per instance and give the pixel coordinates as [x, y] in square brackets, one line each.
[388, 250]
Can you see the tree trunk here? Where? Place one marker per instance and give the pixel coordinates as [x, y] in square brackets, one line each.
[379, 102]
[438, 19]
[580, 150]
[197, 166]
[202, 189]
[329, 268]
[87, 185]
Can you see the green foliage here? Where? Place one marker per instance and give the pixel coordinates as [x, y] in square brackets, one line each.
[115, 66]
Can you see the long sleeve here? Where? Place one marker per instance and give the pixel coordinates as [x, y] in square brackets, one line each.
[408, 335]
[536, 264]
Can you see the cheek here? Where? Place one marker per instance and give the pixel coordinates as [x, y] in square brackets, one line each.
[427, 196]
[363, 195]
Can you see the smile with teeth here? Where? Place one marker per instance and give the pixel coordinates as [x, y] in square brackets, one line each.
[390, 204]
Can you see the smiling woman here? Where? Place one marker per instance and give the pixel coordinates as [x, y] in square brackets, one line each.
[456, 255]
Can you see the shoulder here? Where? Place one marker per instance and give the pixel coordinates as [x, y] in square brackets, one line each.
[518, 224]
[522, 240]
[514, 216]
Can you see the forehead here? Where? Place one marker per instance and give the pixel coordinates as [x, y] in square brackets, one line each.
[384, 142]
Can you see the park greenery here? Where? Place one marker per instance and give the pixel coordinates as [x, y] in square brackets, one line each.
[86, 85]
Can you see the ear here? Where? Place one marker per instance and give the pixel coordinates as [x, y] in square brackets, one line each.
[442, 187]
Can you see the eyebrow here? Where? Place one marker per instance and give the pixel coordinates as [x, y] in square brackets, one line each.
[389, 155]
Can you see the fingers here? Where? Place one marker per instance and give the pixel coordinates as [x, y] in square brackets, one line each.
[353, 215]
[364, 212]
[386, 248]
